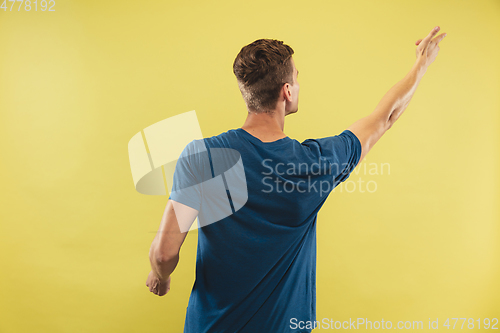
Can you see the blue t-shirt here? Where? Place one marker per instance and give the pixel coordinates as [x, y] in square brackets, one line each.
[258, 204]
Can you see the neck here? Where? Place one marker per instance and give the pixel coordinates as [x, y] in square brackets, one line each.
[267, 127]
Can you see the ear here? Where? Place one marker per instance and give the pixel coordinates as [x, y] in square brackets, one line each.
[287, 92]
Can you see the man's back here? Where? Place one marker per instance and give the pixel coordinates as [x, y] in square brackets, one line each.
[256, 268]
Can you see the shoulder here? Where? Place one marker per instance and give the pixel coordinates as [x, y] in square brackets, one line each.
[223, 140]
[194, 147]
[339, 139]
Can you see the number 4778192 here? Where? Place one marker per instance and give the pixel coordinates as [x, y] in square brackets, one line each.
[28, 5]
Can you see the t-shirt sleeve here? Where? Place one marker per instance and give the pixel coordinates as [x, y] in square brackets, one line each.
[186, 186]
[343, 151]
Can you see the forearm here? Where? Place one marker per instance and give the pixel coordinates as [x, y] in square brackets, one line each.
[395, 101]
[162, 266]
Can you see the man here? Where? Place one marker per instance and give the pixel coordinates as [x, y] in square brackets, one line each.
[256, 264]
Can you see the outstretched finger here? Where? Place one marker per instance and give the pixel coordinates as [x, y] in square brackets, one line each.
[431, 34]
[439, 38]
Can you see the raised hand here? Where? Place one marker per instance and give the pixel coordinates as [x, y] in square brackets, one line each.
[427, 48]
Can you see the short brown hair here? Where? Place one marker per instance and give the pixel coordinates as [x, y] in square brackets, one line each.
[262, 68]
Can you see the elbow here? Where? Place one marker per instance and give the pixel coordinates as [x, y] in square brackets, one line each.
[384, 124]
[388, 125]
[163, 256]
[391, 120]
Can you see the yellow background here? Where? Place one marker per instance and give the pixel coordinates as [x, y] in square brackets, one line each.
[76, 84]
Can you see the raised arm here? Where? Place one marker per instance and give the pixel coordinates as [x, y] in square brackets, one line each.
[371, 128]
